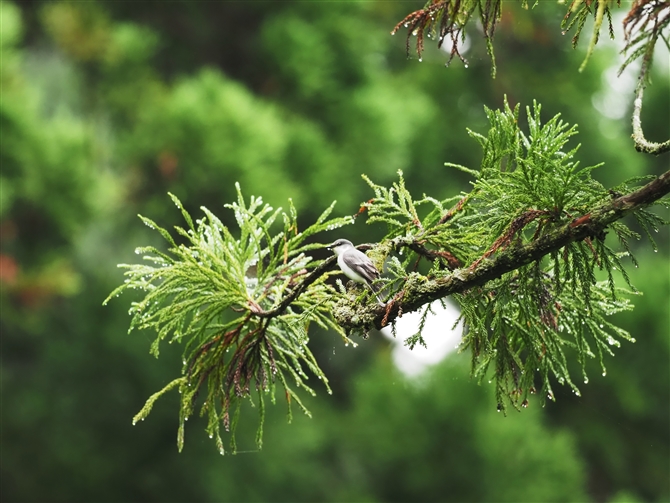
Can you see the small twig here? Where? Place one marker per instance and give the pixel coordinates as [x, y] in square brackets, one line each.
[459, 206]
[641, 143]
[517, 225]
[432, 255]
[319, 271]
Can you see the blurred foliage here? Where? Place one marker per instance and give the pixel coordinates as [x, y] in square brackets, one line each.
[378, 450]
[108, 105]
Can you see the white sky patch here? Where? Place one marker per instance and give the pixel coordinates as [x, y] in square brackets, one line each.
[439, 333]
[463, 45]
[615, 97]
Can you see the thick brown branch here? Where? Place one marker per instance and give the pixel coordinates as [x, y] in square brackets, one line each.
[420, 293]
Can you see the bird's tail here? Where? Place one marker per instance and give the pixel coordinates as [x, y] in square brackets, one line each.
[377, 289]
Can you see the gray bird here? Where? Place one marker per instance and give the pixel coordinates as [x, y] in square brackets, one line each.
[356, 265]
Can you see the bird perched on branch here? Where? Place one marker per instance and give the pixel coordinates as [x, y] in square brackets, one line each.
[356, 266]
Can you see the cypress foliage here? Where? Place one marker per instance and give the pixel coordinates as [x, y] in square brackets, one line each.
[520, 253]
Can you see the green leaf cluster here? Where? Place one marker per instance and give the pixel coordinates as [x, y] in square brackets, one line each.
[643, 27]
[242, 303]
[233, 301]
[579, 13]
[528, 186]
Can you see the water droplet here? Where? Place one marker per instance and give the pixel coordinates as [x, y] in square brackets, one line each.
[604, 374]
[613, 342]
[524, 403]
[499, 407]
[586, 380]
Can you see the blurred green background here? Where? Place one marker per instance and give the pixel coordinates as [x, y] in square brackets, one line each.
[106, 106]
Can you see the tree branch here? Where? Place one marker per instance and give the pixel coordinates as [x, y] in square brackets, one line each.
[418, 293]
[640, 15]
[641, 143]
[318, 271]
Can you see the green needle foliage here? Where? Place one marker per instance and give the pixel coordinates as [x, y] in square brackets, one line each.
[645, 24]
[243, 303]
[447, 20]
[579, 12]
[529, 186]
[643, 27]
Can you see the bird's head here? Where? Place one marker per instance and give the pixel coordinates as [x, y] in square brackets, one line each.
[340, 246]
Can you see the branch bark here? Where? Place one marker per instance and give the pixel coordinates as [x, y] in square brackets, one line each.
[417, 294]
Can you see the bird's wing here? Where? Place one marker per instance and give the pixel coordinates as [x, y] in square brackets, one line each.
[360, 263]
